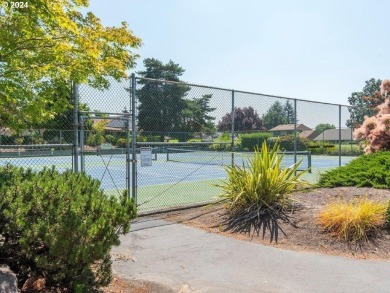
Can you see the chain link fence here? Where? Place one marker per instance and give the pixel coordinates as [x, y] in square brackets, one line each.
[166, 143]
[46, 144]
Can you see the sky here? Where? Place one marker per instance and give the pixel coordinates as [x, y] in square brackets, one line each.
[313, 50]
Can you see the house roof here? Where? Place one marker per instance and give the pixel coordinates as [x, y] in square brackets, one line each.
[333, 135]
[114, 124]
[309, 134]
[285, 127]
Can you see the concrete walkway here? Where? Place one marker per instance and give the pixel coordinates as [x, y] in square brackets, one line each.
[186, 259]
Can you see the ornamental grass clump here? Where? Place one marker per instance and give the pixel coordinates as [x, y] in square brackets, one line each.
[256, 194]
[353, 220]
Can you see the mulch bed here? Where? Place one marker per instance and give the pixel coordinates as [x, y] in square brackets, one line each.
[307, 235]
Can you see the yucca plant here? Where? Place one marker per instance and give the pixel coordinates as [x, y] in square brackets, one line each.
[353, 220]
[256, 193]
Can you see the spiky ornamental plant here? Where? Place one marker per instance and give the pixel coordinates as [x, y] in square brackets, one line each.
[256, 194]
[375, 131]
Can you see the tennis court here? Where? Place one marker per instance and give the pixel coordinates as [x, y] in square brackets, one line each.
[176, 177]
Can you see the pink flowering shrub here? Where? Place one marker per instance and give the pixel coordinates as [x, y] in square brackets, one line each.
[374, 133]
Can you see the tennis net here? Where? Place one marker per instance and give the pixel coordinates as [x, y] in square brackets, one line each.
[206, 157]
[36, 150]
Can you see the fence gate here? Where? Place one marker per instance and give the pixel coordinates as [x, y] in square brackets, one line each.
[98, 157]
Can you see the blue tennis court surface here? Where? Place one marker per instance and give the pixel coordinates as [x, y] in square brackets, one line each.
[113, 167]
[165, 183]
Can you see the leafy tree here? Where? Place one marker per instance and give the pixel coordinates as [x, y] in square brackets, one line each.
[46, 46]
[245, 119]
[59, 129]
[161, 103]
[276, 115]
[196, 115]
[320, 128]
[364, 102]
[289, 111]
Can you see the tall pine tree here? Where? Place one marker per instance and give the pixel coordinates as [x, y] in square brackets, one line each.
[276, 115]
[161, 104]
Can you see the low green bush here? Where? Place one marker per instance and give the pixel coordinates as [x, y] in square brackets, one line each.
[286, 143]
[121, 142]
[250, 141]
[96, 139]
[371, 170]
[60, 226]
[333, 149]
[110, 138]
[153, 138]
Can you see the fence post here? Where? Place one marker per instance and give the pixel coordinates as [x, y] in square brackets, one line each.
[75, 127]
[295, 131]
[128, 176]
[82, 158]
[339, 135]
[133, 112]
[232, 143]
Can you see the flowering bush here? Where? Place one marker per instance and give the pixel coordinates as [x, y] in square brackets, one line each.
[375, 131]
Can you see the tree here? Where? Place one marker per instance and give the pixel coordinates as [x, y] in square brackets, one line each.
[375, 130]
[161, 103]
[245, 119]
[46, 46]
[196, 116]
[364, 103]
[320, 128]
[276, 115]
[289, 112]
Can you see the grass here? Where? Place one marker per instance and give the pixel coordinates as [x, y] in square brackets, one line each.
[353, 220]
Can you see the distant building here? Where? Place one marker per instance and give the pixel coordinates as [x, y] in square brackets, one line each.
[114, 125]
[286, 129]
[309, 134]
[333, 135]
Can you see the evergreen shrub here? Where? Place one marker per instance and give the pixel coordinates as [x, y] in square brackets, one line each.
[60, 226]
[286, 143]
[372, 170]
[250, 141]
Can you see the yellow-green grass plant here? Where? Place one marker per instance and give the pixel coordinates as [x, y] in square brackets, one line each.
[354, 220]
[256, 193]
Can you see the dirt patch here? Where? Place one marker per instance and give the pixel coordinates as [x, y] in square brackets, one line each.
[307, 235]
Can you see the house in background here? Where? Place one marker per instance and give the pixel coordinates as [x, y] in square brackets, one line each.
[309, 134]
[332, 135]
[286, 129]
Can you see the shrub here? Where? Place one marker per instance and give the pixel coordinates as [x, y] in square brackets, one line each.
[333, 150]
[354, 220]
[256, 195]
[371, 170]
[153, 138]
[375, 131]
[121, 142]
[251, 141]
[60, 226]
[286, 143]
[95, 139]
[346, 150]
[110, 138]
